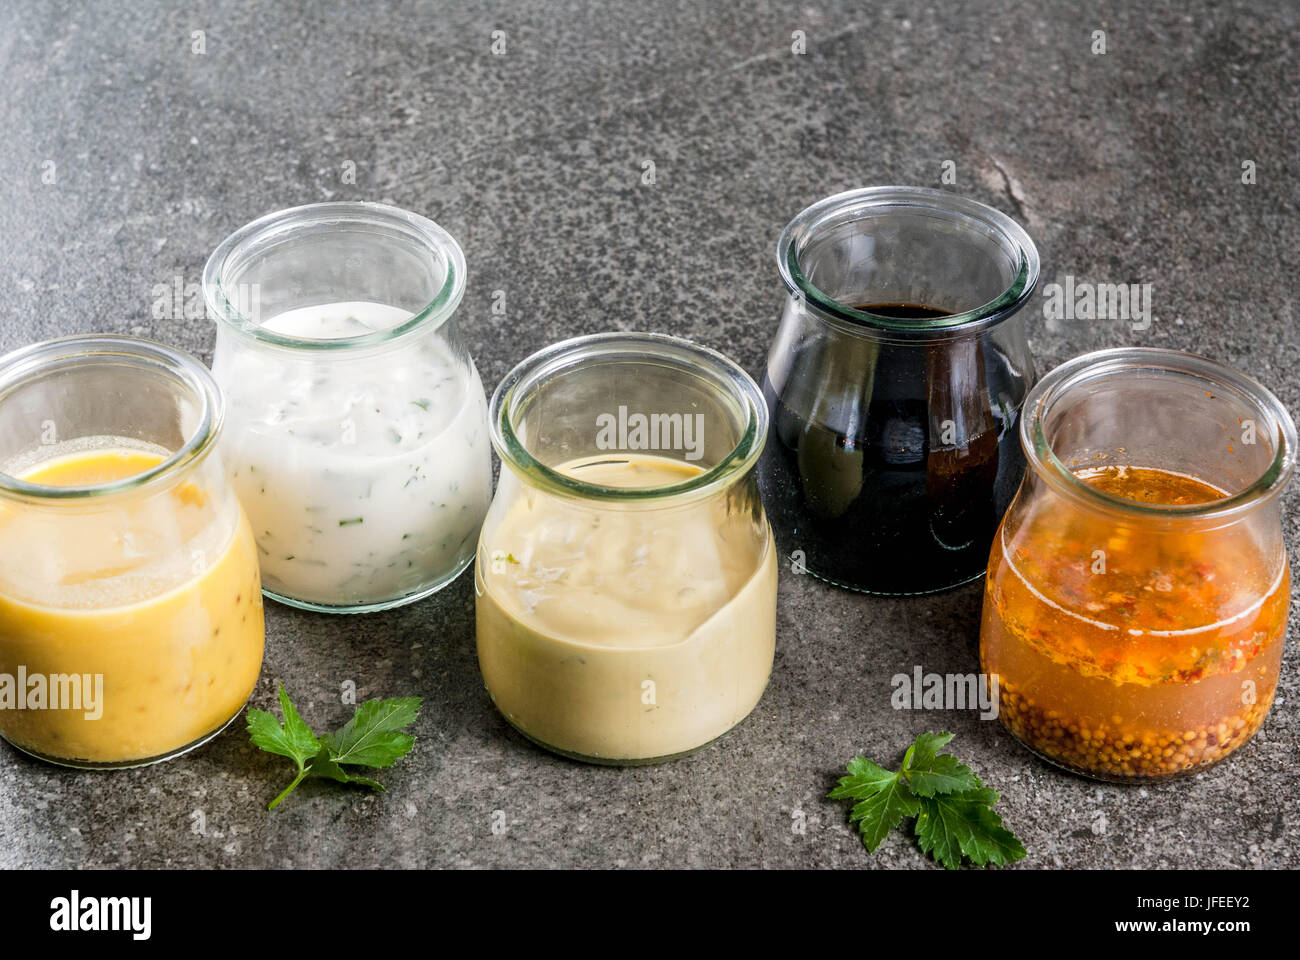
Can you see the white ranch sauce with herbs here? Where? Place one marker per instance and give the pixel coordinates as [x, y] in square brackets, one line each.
[365, 478]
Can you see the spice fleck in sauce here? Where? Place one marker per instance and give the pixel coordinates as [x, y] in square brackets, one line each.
[1128, 652]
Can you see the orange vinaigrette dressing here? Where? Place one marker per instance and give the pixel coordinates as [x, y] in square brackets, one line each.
[178, 650]
[1131, 653]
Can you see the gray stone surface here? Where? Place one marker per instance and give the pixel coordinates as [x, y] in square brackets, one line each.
[1124, 167]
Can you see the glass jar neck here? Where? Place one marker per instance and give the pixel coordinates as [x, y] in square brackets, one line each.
[612, 393]
[1163, 410]
[327, 253]
[907, 246]
[56, 393]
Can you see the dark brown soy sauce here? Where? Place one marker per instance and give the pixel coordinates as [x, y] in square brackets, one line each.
[888, 469]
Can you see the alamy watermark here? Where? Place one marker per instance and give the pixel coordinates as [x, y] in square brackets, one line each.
[1081, 300]
[77, 913]
[179, 300]
[655, 431]
[55, 691]
[946, 691]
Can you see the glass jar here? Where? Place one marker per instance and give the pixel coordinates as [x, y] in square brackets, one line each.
[130, 605]
[1137, 593]
[894, 385]
[626, 576]
[358, 423]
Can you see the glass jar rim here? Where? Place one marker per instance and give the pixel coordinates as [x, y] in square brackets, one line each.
[861, 202]
[505, 398]
[280, 223]
[20, 365]
[1088, 368]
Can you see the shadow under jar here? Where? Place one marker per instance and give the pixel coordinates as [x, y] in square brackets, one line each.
[130, 607]
[894, 385]
[626, 575]
[358, 424]
[1136, 603]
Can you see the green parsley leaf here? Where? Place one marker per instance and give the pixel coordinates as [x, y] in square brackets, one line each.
[964, 824]
[953, 809]
[372, 738]
[323, 766]
[885, 800]
[929, 772]
[946, 775]
[294, 740]
[925, 748]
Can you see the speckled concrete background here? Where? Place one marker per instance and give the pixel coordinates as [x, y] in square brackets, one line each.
[1125, 167]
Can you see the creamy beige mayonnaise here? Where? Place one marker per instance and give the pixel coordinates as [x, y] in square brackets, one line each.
[625, 633]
